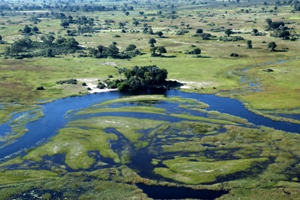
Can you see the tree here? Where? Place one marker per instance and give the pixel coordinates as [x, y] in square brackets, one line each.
[126, 13]
[272, 46]
[199, 31]
[27, 29]
[249, 44]
[64, 23]
[255, 31]
[228, 32]
[35, 29]
[269, 21]
[197, 51]
[141, 12]
[49, 53]
[112, 50]
[0, 37]
[131, 47]
[276, 25]
[135, 22]
[284, 35]
[161, 50]
[159, 33]
[151, 41]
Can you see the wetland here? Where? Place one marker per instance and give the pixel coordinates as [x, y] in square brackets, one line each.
[149, 99]
[165, 141]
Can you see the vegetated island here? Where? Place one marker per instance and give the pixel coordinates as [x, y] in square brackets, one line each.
[140, 78]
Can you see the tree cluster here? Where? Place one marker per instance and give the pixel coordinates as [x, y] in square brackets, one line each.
[113, 51]
[49, 47]
[145, 77]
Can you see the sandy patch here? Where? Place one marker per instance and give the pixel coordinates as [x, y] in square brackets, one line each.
[108, 63]
[92, 84]
[192, 84]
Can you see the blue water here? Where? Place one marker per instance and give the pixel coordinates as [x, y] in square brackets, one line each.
[54, 119]
[162, 192]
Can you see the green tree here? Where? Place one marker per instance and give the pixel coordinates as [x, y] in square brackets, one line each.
[49, 53]
[112, 50]
[35, 29]
[269, 21]
[64, 23]
[272, 46]
[161, 50]
[126, 13]
[151, 41]
[159, 33]
[199, 31]
[197, 51]
[228, 32]
[284, 35]
[131, 47]
[27, 29]
[249, 44]
[255, 31]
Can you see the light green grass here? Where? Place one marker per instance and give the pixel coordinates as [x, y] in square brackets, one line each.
[141, 109]
[183, 170]
[75, 143]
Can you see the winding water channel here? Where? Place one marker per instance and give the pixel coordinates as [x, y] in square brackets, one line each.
[56, 117]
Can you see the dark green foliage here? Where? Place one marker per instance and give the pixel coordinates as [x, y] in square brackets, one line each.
[255, 32]
[234, 55]
[284, 35]
[64, 23]
[131, 47]
[249, 44]
[161, 50]
[143, 78]
[40, 88]
[232, 38]
[196, 51]
[101, 85]
[159, 33]
[268, 21]
[69, 81]
[272, 46]
[49, 47]
[151, 41]
[228, 32]
[276, 25]
[199, 31]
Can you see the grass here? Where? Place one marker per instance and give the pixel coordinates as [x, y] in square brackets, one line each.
[125, 125]
[75, 143]
[153, 98]
[141, 109]
[183, 170]
[17, 176]
[204, 119]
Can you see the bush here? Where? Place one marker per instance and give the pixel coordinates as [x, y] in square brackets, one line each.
[69, 81]
[40, 88]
